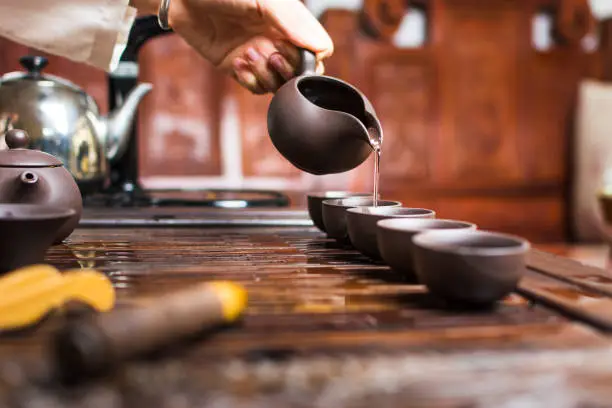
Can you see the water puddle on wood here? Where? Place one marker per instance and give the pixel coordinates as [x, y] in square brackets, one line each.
[573, 295]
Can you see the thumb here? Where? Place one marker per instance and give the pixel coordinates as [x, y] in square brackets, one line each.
[298, 24]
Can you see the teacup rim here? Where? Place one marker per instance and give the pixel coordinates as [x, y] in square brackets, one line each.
[334, 202]
[390, 224]
[360, 210]
[324, 194]
[433, 240]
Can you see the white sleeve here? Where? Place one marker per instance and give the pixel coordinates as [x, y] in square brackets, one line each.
[93, 32]
[601, 9]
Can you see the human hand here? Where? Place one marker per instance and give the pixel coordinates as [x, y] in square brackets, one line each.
[254, 41]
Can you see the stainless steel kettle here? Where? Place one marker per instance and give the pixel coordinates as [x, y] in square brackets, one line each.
[63, 120]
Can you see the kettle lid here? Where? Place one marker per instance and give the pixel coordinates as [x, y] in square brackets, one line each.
[19, 155]
[34, 64]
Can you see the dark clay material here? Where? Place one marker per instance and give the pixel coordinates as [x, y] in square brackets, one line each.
[320, 124]
[361, 225]
[469, 267]
[27, 231]
[315, 204]
[394, 238]
[334, 214]
[35, 177]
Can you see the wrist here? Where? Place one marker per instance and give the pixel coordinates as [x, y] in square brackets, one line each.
[145, 6]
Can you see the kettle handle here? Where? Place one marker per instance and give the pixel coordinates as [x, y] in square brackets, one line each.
[308, 62]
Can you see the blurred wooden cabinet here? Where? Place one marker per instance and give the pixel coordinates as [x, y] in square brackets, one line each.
[477, 121]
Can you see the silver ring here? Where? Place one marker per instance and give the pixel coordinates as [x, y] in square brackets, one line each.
[162, 14]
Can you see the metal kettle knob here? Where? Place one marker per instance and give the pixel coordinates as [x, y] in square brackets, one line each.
[33, 63]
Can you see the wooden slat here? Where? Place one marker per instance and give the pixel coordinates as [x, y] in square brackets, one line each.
[570, 300]
[577, 290]
[309, 301]
[567, 269]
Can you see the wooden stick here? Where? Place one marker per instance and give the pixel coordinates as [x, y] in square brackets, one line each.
[92, 346]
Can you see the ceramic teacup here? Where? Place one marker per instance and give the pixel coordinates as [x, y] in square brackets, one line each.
[315, 204]
[469, 266]
[334, 214]
[394, 237]
[361, 225]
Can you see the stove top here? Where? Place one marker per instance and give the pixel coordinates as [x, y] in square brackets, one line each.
[219, 198]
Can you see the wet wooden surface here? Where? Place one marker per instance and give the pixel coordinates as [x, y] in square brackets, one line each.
[327, 327]
[194, 217]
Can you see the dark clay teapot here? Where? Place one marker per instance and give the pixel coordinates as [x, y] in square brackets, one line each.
[320, 124]
[35, 177]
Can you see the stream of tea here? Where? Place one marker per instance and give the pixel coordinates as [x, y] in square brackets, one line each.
[376, 143]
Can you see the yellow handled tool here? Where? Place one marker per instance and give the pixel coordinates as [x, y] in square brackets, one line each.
[87, 347]
[29, 294]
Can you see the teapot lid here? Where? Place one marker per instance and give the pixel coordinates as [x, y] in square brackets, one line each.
[34, 64]
[19, 155]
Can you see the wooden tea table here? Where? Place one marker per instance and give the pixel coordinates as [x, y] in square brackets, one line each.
[325, 326]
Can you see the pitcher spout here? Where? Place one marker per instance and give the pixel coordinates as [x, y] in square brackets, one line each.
[119, 122]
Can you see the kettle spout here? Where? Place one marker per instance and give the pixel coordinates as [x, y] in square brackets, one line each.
[119, 122]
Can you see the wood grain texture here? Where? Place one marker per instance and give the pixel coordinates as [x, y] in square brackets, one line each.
[490, 116]
[181, 117]
[9, 57]
[259, 156]
[573, 21]
[409, 138]
[512, 215]
[546, 159]
[382, 18]
[586, 291]
[478, 102]
[606, 46]
[322, 320]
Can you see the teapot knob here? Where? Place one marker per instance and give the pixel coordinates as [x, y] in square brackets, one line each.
[17, 139]
[33, 63]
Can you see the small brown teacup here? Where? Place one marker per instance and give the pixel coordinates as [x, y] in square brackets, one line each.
[27, 232]
[361, 225]
[334, 214]
[394, 237]
[315, 204]
[469, 267]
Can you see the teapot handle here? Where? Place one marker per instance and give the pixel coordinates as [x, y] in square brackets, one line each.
[308, 62]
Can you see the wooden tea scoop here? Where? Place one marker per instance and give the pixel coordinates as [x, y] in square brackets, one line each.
[91, 346]
[29, 294]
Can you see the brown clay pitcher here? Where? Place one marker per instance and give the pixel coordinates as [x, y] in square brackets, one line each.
[29, 176]
[322, 125]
